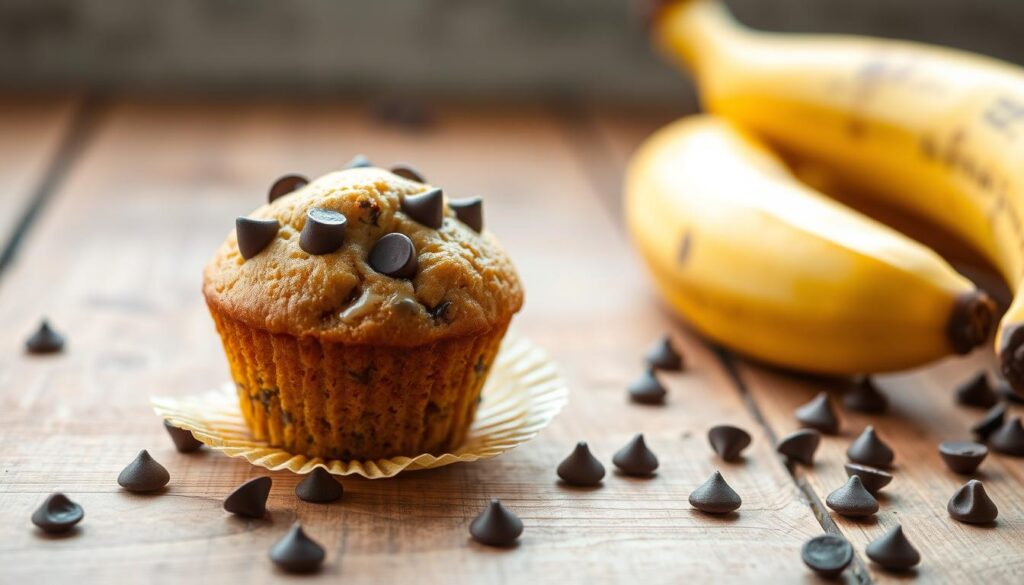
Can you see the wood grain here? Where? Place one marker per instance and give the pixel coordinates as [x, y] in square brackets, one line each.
[32, 130]
[116, 260]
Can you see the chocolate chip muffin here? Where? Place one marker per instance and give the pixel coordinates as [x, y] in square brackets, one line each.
[360, 313]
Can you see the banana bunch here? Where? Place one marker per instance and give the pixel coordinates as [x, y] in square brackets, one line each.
[768, 266]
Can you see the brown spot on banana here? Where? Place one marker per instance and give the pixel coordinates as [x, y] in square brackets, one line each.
[971, 322]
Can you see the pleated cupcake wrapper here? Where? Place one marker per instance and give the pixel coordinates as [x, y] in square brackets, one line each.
[523, 394]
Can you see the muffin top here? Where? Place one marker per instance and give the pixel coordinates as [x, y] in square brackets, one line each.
[364, 256]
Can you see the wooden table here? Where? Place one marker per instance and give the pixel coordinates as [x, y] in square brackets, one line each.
[110, 208]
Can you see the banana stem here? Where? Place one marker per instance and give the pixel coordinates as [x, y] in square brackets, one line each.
[691, 31]
[971, 323]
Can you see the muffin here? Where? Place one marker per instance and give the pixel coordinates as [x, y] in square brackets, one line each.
[360, 313]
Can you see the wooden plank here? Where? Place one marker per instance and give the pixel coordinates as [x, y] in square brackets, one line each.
[32, 129]
[117, 261]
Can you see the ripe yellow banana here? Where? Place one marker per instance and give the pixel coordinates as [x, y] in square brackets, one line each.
[769, 267]
[937, 132]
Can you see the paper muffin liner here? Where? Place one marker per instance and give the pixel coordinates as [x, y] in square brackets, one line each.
[522, 395]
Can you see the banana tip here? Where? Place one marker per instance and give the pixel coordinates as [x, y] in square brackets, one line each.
[972, 320]
[1011, 356]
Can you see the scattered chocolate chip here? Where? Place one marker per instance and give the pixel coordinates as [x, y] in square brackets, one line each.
[143, 474]
[254, 235]
[870, 450]
[407, 172]
[57, 514]
[818, 414]
[800, 446]
[647, 389]
[250, 498]
[827, 555]
[581, 468]
[852, 499]
[635, 458]
[184, 442]
[394, 255]
[470, 211]
[358, 162]
[319, 487]
[1007, 393]
[496, 525]
[663, 355]
[425, 208]
[972, 505]
[991, 422]
[864, 396]
[962, 456]
[874, 479]
[893, 551]
[324, 231]
[715, 496]
[296, 552]
[977, 392]
[44, 340]
[285, 185]
[1009, 438]
[728, 441]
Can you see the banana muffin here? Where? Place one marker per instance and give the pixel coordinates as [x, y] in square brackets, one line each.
[360, 313]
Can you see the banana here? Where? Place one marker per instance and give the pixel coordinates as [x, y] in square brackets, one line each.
[933, 131]
[769, 267]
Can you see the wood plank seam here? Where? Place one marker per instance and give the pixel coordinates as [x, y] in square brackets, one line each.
[859, 567]
[72, 145]
[587, 145]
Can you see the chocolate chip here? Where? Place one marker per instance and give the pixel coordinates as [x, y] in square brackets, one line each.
[358, 162]
[319, 487]
[800, 446]
[143, 474]
[865, 397]
[874, 479]
[395, 256]
[1009, 438]
[581, 468]
[184, 442]
[438, 311]
[296, 552]
[893, 551]
[991, 422]
[715, 496]
[407, 172]
[819, 414]
[57, 514]
[647, 389]
[44, 340]
[426, 208]
[254, 235]
[870, 450]
[324, 231]
[250, 498]
[962, 456]
[827, 555]
[728, 441]
[663, 355]
[977, 392]
[470, 211]
[496, 525]
[852, 499]
[972, 505]
[285, 185]
[635, 458]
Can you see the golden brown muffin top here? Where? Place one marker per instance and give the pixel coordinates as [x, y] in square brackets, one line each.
[463, 284]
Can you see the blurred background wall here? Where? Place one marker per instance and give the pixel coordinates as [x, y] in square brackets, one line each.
[505, 49]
